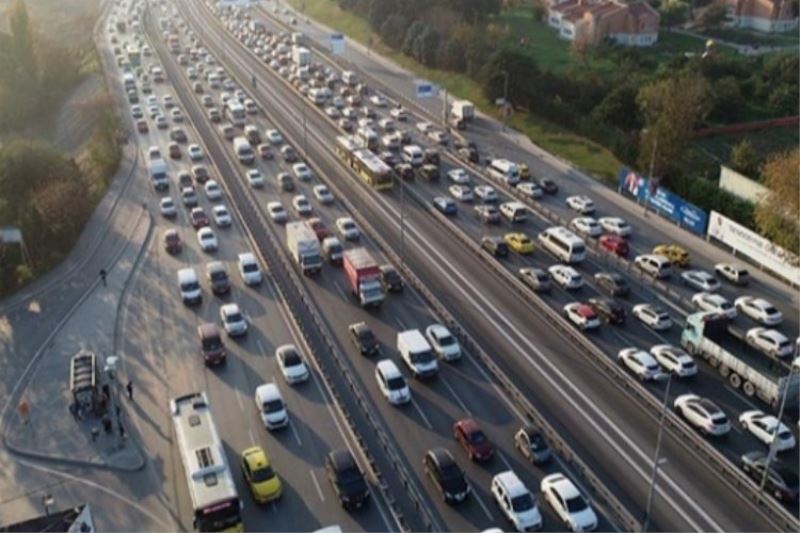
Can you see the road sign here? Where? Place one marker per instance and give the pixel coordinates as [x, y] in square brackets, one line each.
[426, 89]
[337, 43]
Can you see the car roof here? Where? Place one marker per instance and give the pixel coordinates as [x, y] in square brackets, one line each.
[268, 391]
[563, 485]
[513, 485]
[468, 425]
[247, 257]
[229, 308]
[342, 459]
[441, 456]
[388, 368]
[255, 457]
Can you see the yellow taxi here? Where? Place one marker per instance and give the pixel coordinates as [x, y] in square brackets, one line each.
[519, 242]
[676, 254]
[524, 171]
[264, 483]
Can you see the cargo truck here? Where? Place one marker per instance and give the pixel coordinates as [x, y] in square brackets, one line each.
[301, 56]
[711, 336]
[363, 276]
[462, 110]
[304, 247]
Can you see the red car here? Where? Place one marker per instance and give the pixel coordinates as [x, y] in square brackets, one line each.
[265, 151]
[172, 241]
[199, 218]
[615, 244]
[473, 440]
[319, 228]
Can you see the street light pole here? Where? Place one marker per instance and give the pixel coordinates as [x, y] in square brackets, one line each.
[772, 448]
[653, 477]
[505, 99]
[651, 176]
[402, 221]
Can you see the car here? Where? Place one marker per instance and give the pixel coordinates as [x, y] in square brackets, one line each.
[674, 360]
[615, 226]
[582, 315]
[214, 115]
[781, 481]
[319, 228]
[161, 122]
[700, 280]
[652, 316]
[200, 173]
[178, 135]
[276, 212]
[706, 301]
[581, 203]
[291, 364]
[168, 101]
[519, 242]
[445, 205]
[486, 194]
[458, 176]
[136, 112]
[333, 112]
[614, 244]
[391, 382]
[167, 207]
[222, 218]
[530, 189]
[759, 310]
[641, 363]
[195, 152]
[566, 277]
[612, 283]
[302, 172]
[198, 218]
[548, 185]
[347, 229]
[233, 320]
[264, 151]
[471, 437]
[609, 309]
[207, 239]
[213, 190]
[532, 445]
[535, 278]
[264, 484]
[176, 115]
[174, 150]
[656, 265]
[445, 474]
[141, 126]
[387, 125]
[274, 137]
[703, 414]
[439, 137]
[347, 479]
[301, 205]
[676, 254]
[218, 278]
[172, 241]
[255, 178]
[487, 213]
[461, 192]
[515, 501]
[390, 278]
[567, 503]
[249, 269]
[207, 101]
[495, 245]
[586, 226]
[424, 127]
[398, 113]
[323, 194]
[271, 406]
[345, 124]
[769, 341]
[768, 429]
[733, 273]
[443, 342]
[378, 100]
[364, 339]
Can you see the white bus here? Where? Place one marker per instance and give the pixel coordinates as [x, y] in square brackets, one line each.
[215, 502]
[563, 244]
[244, 150]
[505, 171]
[235, 112]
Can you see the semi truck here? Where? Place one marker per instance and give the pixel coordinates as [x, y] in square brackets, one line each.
[363, 276]
[711, 336]
[304, 247]
[301, 56]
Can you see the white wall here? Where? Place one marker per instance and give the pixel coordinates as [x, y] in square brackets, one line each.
[740, 185]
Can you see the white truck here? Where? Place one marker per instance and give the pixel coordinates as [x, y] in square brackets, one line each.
[301, 56]
[157, 170]
[304, 247]
[417, 353]
[710, 336]
[462, 110]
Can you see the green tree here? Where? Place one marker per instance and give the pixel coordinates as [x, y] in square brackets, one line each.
[728, 101]
[674, 13]
[22, 39]
[379, 11]
[745, 159]
[521, 72]
[714, 15]
[477, 54]
[413, 31]
[619, 108]
[778, 214]
[450, 55]
[393, 30]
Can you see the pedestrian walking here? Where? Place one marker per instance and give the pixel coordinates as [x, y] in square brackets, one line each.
[103, 275]
[129, 388]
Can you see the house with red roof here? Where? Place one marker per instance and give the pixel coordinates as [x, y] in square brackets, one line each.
[591, 21]
[763, 15]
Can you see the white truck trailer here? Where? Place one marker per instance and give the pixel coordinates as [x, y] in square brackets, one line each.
[304, 247]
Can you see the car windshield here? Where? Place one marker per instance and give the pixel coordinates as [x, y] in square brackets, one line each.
[446, 340]
[366, 336]
[350, 476]
[262, 474]
[576, 504]
[770, 310]
[396, 383]
[250, 267]
[476, 437]
[521, 503]
[219, 275]
[212, 343]
[292, 359]
[311, 259]
[273, 406]
[451, 472]
[190, 286]
[578, 248]
[421, 357]
[234, 317]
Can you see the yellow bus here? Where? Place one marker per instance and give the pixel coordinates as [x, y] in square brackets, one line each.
[367, 165]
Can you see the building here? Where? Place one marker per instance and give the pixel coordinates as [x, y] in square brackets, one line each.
[592, 21]
[763, 15]
[74, 520]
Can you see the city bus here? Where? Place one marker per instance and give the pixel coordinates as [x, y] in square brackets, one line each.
[215, 502]
[367, 165]
[134, 56]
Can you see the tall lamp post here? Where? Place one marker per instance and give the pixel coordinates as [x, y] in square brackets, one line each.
[773, 450]
[656, 460]
[506, 103]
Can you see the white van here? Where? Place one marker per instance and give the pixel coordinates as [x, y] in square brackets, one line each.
[367, 137]
[504, 171]
[189, 285]
[244, 151]
[413, 155]
[654, 264]
[349, 77]
[563, 244]
[417, 353]
[514, 211]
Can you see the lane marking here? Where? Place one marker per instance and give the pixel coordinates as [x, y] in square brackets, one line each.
[261, 346]
[296, 434]
[252, 437]
[421, 414]
[316, 484]
[483, 505]
[457, 398]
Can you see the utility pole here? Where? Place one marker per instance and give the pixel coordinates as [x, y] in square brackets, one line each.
[653, 478]
[772, 448]
[506, 103]
[402, 221]
[651, 176]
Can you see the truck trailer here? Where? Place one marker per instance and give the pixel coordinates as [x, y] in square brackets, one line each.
[301, 56]
[463, 110]
[363, 276]
[304, 247]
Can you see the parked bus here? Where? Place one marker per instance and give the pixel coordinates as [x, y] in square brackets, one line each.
[134, 56]
[563, 244]
[367, 165]
[215, 502]
[235, 112]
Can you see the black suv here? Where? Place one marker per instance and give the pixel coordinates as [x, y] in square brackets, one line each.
[363, 338]
[610, 310]
[347, 480]
[613, 284]
[495, 246]
[446, 475]
[390, 278]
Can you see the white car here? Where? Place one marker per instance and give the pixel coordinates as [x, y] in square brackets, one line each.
[759, 310]
[271, 406]
[333, 112]
[703, 414]
[530, 189]
[461, 192]
[567, 503]
[674, 360]
[322, 194]
[586, 226]
[168, 207]
[195, 152]
[423, 127]
[707, 301]
[615, 226]
[222, 218]
[582, 315]
[700, 280]
[391, 382]
[274, 136]
[213, 190]
[733, 273]
[291, 363]
[652, 316]
[764, 427]
[443, 343]
[233, 320]
[301, 171]
[301, 205]
[640, 363]
[249, 269]
[486, 194]
[581, 203]
[386, 124]
[153, 153]
[277, 213]
[255, 178]
[516, 502]
[176, 115]
[378, 100]
[770, 341]
[566, 277]
[399, 114]
[459, 176]
[347, 228]
[207, 239]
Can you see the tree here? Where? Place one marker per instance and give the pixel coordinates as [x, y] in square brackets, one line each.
[745, 159]
[22, 39]
[714, 15]
[777, 215]
[539, 9]
[426, 45]
[413, 31]
[450, 55]
[618, 108]
[521, 72]
[393, 30]
[674, 13]
[379, 11]
[728, 101]
[477, 53]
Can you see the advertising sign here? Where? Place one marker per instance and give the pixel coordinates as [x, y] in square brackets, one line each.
[663, 201]
[754, 246]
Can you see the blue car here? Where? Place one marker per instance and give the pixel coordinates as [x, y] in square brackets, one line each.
[445, 205]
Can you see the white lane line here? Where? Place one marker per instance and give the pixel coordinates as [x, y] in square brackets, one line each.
[252, 437]
[261, 348]
[503, 459]
[239, 401]
[421, 414]
[296, 434]
[457, 398]
[316, 484]
[400, 323]
[340, 291]
[483, 505]
[743, 398]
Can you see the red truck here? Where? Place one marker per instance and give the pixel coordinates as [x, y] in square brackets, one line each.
[363, 276]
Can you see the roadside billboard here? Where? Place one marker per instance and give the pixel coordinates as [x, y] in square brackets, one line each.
[751, 244]
[663, 201]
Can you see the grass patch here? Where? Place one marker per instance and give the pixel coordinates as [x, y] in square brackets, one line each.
[718, 148]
